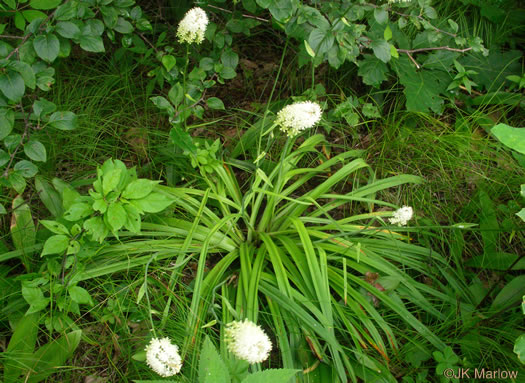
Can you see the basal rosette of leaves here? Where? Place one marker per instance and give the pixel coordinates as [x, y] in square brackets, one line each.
[35, 34]
[270, 247]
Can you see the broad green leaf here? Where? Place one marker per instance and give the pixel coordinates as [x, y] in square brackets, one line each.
[282, 375]
[23, 232]
[80, 295]
[78, 211]
[48, 358]
[422, 87]
[12, 85]
[153, 203]
[68, 29]
[169, 62]
[514, 138]
[31, 15]
[92, 43]
[519, 348]
[116, 216]
[49, 196]
[211, 367]
[230, 58]
[7, 121]
[21, 344]
[372, 70]
[215, 103]
[133, 222]
[35, 150]
[35, 298]
[44, 4]
[96, 227]
[110, 180]
[123, 26]
[521, 214]
[387, 35]
[138, 189]
[26, 72]
[26, 169]
[63, 120]
[17, 182]
[513, 291]
[176, 94]
[381, 50]
[55, 227]
[47, 47]
[321, 40]
[42, 107]
[182, 140]
[163, 104]
[55, 244]
[380, 15]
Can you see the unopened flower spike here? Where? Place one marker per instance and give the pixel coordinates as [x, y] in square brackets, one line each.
[193, 26]
[163, 357]
[298, 116]
[402, 216]
[247, 341]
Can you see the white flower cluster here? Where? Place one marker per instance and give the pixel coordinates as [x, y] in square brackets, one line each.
[402, 216]
[193, 26]
[163, 357]
[247, 341]
[398, 1]
[298, 116]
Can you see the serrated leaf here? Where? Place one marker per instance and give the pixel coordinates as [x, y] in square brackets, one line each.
[47, 47]
[372, 70]
[423, 87]
[35, 150]
[381, 50]
[283, 375]
[211, 367]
